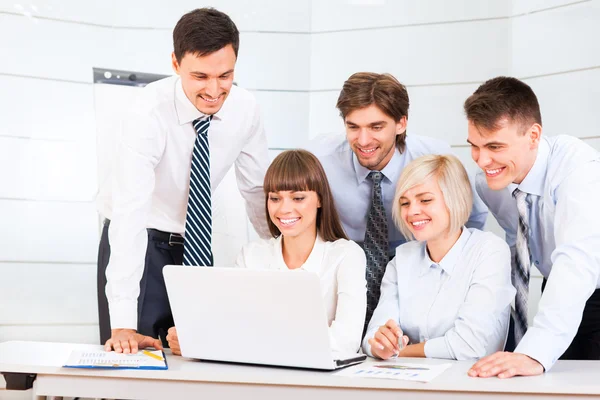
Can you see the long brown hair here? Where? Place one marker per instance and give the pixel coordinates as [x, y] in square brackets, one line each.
[385, 91]
[300, 170]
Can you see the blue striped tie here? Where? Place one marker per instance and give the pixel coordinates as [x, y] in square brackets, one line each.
[198, 223]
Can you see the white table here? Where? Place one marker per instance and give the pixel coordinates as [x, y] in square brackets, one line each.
[195, 379]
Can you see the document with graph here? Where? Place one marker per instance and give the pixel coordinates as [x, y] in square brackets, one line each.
[399, 371]
[143, 359]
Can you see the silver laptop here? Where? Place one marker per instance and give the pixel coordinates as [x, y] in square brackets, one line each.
[239, 315]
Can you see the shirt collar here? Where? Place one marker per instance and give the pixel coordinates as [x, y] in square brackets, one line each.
[391, 171]
[448, 262]
[186, 111]
[534, 181]
[313, 263]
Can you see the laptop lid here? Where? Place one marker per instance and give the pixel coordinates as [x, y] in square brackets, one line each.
[271, 317]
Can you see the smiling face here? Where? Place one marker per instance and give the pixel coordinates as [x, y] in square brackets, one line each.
[207, 79]
[424, 211]
[505, 155]
[294, 213]
[372, 136]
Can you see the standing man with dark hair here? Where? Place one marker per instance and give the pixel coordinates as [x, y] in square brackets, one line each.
[179, 140]
[364, 168]
[544, 192]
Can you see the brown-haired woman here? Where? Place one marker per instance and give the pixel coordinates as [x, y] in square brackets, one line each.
[308, 235]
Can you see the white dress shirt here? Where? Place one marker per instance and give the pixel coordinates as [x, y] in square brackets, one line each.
[152, 172]
[563, 188]
[346, 175]
[340, 266]
[459, 307]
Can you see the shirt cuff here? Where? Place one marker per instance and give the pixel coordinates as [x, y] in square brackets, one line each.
[537, 344]
[365, 345]
[437, 348]
[123, 315]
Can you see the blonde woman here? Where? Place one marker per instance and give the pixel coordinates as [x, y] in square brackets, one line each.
[447, 293]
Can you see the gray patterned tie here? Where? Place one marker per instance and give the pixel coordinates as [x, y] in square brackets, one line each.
[375, 244]
[520, 273]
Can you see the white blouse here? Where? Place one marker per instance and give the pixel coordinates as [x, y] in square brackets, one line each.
[459, 307]
[340, 266]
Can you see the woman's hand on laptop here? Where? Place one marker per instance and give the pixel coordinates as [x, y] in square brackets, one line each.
[173, 341]
[129, 341]
[384, 344]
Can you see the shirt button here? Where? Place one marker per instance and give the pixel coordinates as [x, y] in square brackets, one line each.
[537, 262]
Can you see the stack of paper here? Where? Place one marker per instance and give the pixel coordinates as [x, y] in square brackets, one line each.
[143, 359]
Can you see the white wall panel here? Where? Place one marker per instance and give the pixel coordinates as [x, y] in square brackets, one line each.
[263, 15]
[556, 40]
[594, 142]
[70, 51]
[569, 102]
[68, 294]
[60, 50]
[528, 6]
[274, 61]
[437, 111]
[48, 170]
[48, 231]
[356, 14]
[95, 12]
[88, 334]
[285, 117]
[43, 109]
[449, 53]
[324, 117]
[260, 15]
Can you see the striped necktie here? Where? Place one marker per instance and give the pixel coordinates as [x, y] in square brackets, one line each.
[375, 244]
[198, 223]
[520, 273]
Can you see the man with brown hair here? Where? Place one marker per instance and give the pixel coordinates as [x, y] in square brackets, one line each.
[364, 168]
[178, 141]
[544, 192]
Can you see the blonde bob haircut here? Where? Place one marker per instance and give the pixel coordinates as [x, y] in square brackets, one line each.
[454, 183]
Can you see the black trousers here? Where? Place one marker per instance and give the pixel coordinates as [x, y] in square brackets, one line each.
[586, 344]
[154, 311]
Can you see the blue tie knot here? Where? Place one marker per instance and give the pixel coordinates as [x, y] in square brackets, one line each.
[375, 176]
[201, 125]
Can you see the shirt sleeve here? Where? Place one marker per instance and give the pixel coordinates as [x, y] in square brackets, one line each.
[481, 325]
[250, 168]
[388, 306]
[240, 261]
[139, 151]
[346, 329]
[575, 267]
[479, 212]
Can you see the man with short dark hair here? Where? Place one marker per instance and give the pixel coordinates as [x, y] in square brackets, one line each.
[364, 168]
[544, 192]
[178, 141]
